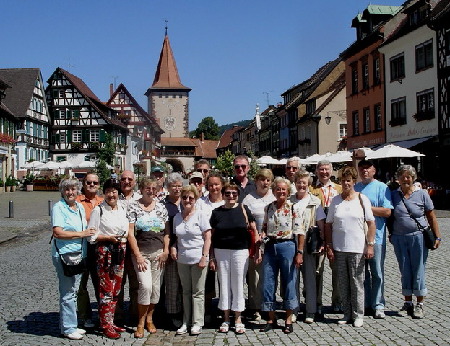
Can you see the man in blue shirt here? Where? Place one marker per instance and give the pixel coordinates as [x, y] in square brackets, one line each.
[380, 198]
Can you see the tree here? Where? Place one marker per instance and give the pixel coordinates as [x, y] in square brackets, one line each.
[209, 128]
[225, 164]
[254, 168]
[106, 156]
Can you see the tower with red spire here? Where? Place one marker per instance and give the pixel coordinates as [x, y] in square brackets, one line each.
[168, 99]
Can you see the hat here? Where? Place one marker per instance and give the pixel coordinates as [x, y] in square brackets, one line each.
[196, 175]
[157, 169]
[365, 163]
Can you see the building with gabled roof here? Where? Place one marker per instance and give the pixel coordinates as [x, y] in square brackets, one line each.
[226, 140]
[26, 100]
[144, 133]
[80, 121]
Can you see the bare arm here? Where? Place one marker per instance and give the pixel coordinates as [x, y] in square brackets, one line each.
[380, 211]
[140, 260]
[60, 233]
[432, 220]
[206, 245]
[370, 238]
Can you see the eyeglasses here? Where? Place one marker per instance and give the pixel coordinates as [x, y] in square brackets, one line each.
[190, 198]
[126, 179]
[293, 168]
[203, 170]
[240, 166]
[231, 193]
[91, 182]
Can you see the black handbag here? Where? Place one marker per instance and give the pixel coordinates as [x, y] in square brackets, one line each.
[314, 241]
[429, 238]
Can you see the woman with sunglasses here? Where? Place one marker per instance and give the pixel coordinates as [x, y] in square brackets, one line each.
[191, 251]
[149, 219]
[109, 220]
[231, 238]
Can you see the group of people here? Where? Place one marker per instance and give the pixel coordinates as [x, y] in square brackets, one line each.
[173, 241]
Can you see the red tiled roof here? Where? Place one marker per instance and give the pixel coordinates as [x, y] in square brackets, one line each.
[178, 142]
[208, 148]
[227, 137]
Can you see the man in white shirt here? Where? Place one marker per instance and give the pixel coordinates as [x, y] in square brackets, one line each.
[292, 166]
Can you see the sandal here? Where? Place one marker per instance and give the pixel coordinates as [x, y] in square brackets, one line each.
[150, 327]
[288, 328]
[239, 328]
[224, 327]
[268, 327]
[139, 333]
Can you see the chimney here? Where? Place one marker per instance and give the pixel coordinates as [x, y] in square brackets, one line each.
[203, 137]
[111, 89]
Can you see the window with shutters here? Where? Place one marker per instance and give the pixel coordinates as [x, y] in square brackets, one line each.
[397, 64]
[424, 55]
[76, 136]
[398, 111]
[94, 136]
[355, 117]
[377, 116]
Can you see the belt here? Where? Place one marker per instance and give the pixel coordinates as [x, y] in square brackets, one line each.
[276, 240]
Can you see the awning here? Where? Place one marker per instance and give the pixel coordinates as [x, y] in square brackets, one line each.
[408, 143]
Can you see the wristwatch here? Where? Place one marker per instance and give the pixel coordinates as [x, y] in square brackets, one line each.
[300, 252]
[371, 243]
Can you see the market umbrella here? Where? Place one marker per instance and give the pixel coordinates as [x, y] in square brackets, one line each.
[391, 150]
[340, 156]
[85, 164]
[50, 165]
[313, 159]
[33, 165]
[267, 160]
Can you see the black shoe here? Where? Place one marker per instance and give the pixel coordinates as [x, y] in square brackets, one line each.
[268, 327]
[288, 328]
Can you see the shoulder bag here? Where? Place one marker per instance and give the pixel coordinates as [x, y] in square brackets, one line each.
[429, 238]
[313, 240]
[251, 234]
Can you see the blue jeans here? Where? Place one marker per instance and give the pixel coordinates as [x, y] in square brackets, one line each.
[374, 281]
[279, 258]
[68, 288]
[411, 256]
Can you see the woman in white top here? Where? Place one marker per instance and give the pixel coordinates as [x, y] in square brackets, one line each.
[109, 220]
[348, 245]
[256, 201]
[191, 251]
[213, 199]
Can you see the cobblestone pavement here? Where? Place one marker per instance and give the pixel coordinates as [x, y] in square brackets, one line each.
[29, 300]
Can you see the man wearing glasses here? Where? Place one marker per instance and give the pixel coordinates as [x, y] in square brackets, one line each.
[202, 166]
[241, 168]
[89, 200]
[292, 166]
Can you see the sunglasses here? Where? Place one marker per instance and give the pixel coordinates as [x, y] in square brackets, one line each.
[289, 168]
[92, 183]
[203, 170]
[185, 198]
[240, 166]
[231, 193]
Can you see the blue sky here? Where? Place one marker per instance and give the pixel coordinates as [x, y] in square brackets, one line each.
[233, 54]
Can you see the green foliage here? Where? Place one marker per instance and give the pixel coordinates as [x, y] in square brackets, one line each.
[254, 168]
[102, 171]
[209, 128]
[11, 181]
[29, 179]
[106, 156]
[225, 164]
[223, 128]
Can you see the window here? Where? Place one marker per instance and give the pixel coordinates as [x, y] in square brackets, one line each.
[354, 80]
[447, 43]
[76, 136]
[397, 67]
[377, 116]
[62, 94]
[62, 137]
[365, 74]
[342, 130]
[310, 106]
[94, 136]
[376, 71]
[366, 113]
[62, 114]
[398, 111]
[424, 55]
[425, 105]
[355, 118]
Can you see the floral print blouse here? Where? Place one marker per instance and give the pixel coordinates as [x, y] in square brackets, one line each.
[283, 223]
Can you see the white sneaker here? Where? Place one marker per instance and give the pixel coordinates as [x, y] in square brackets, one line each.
[358, 322]
[81, 331]
[344, 320]
[309, 318]
[379, 313]
[182, 330]
[196, 330]
[74, 336]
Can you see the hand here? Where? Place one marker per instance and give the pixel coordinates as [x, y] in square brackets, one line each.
[369, 252]
[141, 263]
[88, 232]
[257, 258]
[162, 259]
[298, 260]
[330, 253]
[437, 243]
[203, 262]
[174, 253]
[213, 265]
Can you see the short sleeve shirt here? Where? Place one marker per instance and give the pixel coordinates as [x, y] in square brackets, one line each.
[256, 204]
[108, 221]
[149, 226]
[283, 223]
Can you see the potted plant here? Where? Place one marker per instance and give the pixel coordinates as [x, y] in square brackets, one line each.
[10, 183]
[2, 185]
[29, 181]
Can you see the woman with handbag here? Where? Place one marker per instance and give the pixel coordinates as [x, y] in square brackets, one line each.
[348, 244]
[150, 220]
[109, 220]
[413, 213]
[281, 229]
[68, 246]
[230, 254]
[312, 218]
[191, 251]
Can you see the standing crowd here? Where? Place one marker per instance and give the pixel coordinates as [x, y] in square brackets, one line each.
[175, 243]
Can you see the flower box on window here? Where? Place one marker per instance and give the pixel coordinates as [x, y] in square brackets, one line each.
[397, 121]
[427, 115]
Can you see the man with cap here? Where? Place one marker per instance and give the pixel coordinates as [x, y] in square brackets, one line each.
[157, 173]
[380, 199]
[197, 180]
[241, 168]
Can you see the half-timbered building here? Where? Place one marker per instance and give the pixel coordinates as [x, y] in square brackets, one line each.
[26, 100]
[144, 139]
[80, 121]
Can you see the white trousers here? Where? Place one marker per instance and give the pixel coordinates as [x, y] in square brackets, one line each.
[232, 268]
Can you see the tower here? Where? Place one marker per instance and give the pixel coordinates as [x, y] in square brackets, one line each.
[168, 99]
